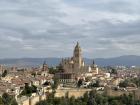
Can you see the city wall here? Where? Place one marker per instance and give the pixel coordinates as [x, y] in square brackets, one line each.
[137, 94]
[76, 93]
[110, 92]
[71, 92]
[32, 100]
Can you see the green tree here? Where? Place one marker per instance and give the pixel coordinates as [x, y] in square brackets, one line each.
[46, 83]
[91, 101]
[97, 84]
[72, 100]
[52, 70]
[33, 74]
[114, 102]
[34, 89]
[80, 82]
[55, 84]
[124, 83]
[58, 69]
[28, 90]
[44, 102]
[85, 97]
[135, 81]
[1, 101]
[114, 71]
[4, 73]
[8, 100]
[13, 102]
[91, 98]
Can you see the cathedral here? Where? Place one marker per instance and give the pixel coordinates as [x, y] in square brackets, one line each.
[76, 63]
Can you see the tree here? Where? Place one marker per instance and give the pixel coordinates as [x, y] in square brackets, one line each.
[34, 74]
[46, 83]
[52, 70]
[60, 68]
[1, 101]
[72, 100]
[8, 100]
[28, 90]
[91, 98]
[13, 102]
[80, 82]
[85, 97]
[55, 84]
[4, 73]
[44, 102]
[34, 89]
[136, 81]
[123, 84]
[96, 84]
[115, 102]
[114, 71]
[91, 101]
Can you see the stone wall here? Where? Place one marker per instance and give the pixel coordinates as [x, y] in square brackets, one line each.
[110, 92]
[76, 93]
[71, 92]
[32, 100]
[137, 94]
[25, 102]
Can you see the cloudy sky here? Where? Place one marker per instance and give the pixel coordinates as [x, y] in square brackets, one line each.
[51, 28]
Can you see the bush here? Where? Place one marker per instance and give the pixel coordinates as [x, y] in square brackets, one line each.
[28, 90]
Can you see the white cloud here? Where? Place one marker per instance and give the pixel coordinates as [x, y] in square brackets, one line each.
[52, 27]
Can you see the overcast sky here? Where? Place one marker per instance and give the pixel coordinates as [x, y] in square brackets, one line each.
[51, 28]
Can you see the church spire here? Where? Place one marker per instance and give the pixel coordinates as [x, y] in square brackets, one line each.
[77, 50]
[77, 45]
[44, 62]
[93, 62]
[45, 66]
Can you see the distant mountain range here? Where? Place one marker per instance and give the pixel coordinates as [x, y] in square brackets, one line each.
[129, 60]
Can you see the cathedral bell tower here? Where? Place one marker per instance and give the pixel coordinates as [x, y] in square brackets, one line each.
[77, 55]
[45, 66]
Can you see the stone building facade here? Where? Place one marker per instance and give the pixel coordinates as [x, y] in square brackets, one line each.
[1, 69]
[65, 77]
[75, 68]
[76, 63]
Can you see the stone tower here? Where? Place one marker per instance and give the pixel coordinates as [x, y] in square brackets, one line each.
[77, 56]
[45, 66]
